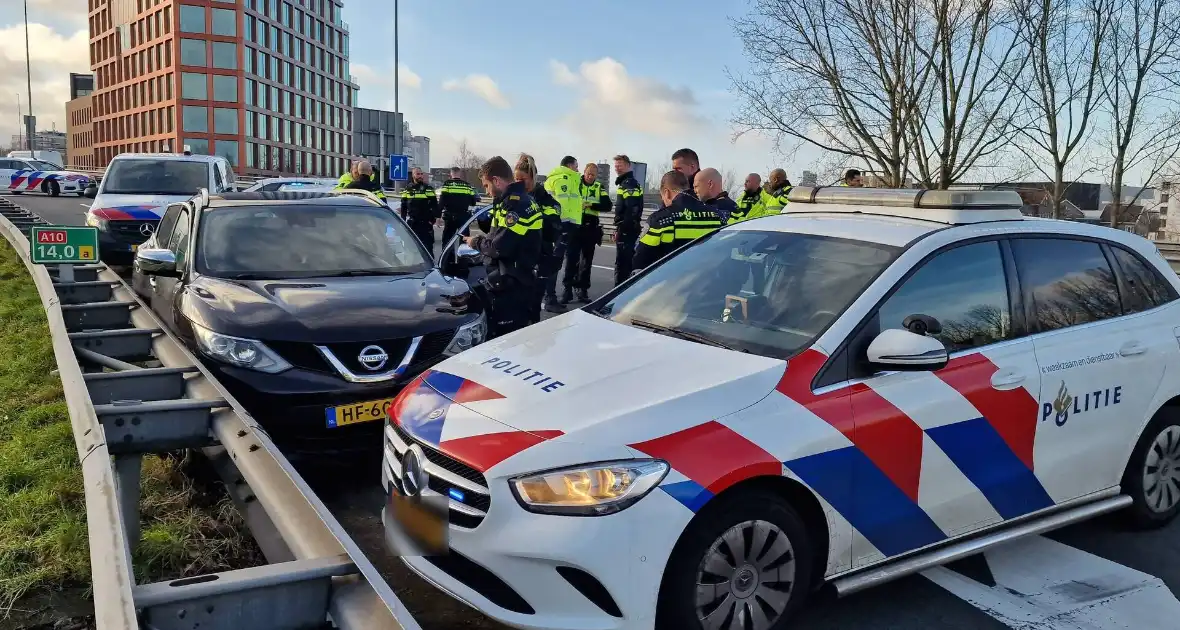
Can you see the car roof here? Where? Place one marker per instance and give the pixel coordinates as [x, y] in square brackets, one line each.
[229, 199]
[883, 230]
[177, 157]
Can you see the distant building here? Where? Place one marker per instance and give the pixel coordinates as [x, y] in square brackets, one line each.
[1081, 199]
[417, 148]
[81, 85]
[79, 133]
[604, 175]
[44, 141]
[375, 136]
[808, 178]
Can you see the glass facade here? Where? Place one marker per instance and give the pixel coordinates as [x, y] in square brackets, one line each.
[192, 52]
[225, 22]
[225, 88]
[195, 118]
[193, 85]
[192, 18]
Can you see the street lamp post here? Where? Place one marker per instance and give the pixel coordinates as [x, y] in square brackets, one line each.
[30, 124]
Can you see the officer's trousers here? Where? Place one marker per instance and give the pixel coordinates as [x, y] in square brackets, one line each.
[451, 224]
[573, 254]
[425, 233]
[589, 237]
[560, 249]
[511, 308]
[624, 256]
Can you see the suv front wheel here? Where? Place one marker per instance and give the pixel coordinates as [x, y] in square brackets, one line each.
[743, 565]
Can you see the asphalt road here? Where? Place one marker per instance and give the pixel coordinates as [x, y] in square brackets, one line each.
[1091, 576]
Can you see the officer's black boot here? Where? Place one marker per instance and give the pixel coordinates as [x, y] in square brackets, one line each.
[582, 296]
[551, 306]
[567, 295]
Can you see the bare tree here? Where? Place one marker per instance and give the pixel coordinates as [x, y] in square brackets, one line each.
[468, 161]
[654, 175]
[840, 75]
[1139, 94]
[731, 182]
[967, 116]
[1062, 82]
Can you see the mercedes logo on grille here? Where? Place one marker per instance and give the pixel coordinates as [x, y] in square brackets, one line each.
[373, 358]
[146, 229]
[413, 475]
[436, 414]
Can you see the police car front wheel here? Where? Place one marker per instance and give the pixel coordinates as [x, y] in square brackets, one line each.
[1152, 478]
[745, 565]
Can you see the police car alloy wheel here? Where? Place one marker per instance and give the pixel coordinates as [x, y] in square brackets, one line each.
[745, 564]
[1152, 479]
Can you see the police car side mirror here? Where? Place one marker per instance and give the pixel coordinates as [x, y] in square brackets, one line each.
[902, 350]
[90, 192]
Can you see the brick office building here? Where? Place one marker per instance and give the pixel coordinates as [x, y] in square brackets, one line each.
[263, 82]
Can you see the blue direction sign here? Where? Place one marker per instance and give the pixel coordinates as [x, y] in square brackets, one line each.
[399, 168]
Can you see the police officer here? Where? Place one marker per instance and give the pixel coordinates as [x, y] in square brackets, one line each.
[361, 177]
[564, 183]
[548, 264]
[682, 220]
[510, 248]
[686, 162]
[777, 188]
[628, 217]
[712, 194]
[580, 260]
[751, 204]
[420, 208]
[456, 198]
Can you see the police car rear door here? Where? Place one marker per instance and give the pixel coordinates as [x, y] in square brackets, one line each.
[1100, 367]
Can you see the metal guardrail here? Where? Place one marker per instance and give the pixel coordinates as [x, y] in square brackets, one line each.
[132, 389]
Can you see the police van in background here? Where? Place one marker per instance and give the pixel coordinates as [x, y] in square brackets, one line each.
[136, 190]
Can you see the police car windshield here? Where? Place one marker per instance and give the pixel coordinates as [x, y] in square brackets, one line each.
[304, 241]
[155, 177]
[768, 293]
[42, 165]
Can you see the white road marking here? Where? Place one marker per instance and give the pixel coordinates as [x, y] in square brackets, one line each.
[601, 267]
[85, 205]
[1044, 585]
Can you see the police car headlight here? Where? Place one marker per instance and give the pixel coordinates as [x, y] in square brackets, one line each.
[94, 221]
[469, 336]
[593, 490]
[239, 352]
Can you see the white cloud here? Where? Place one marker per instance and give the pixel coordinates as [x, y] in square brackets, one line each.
[561, 73]
[53, 55]
[610, 96]
[382, 78]
[480, 85]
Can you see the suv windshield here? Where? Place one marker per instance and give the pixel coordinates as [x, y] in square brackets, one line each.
[155, 177]
[304, 241]
[768, 293]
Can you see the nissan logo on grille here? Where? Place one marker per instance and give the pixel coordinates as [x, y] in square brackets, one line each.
[373, 358]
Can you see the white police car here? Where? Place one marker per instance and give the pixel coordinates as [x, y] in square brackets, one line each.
[870, 384]
[22, 175]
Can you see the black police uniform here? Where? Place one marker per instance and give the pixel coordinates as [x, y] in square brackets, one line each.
[674, 226]
[549, 263]
[511, 249]
[420, 210]
[628, 223]
[456, 198]
[725, 207]
[368, 183]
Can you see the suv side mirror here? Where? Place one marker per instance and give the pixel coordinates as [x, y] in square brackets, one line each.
[91, 191]
[902, 350]
[157, 262]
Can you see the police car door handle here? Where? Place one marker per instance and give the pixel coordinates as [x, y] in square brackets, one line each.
[1132, 348]
[1007, 379]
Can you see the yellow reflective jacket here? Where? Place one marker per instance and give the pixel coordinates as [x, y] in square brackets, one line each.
[565, 185]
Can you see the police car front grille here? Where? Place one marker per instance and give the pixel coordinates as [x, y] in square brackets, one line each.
[130, 231]
[466, 488]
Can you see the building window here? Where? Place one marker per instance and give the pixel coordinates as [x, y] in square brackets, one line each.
[250, 148]
[195, 118]
[192, 19]
[228, 149]
[225, 55]
[225, 22]
[199, 146]
[192, 52]
[194, 86]
[249, 126]
[225, 88]
[225, 120]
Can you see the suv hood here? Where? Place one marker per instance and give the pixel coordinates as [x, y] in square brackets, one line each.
[582, 379]
[133, 207]
[330, 310]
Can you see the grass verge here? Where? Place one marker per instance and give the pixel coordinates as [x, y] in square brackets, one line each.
[43, 540]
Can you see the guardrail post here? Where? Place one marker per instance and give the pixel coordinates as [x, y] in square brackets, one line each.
[65, 273]
[127, 476]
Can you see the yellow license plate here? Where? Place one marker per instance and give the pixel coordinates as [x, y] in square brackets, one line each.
[135, 248]
[370, 411]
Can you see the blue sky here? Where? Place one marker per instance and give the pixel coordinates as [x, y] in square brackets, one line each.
[553, 78]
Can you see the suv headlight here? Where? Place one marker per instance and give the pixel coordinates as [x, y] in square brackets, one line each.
[94, 221]
[239, 352]
[590, 490]
[470, 335]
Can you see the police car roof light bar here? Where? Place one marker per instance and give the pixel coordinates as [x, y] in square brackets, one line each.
[953, 207]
